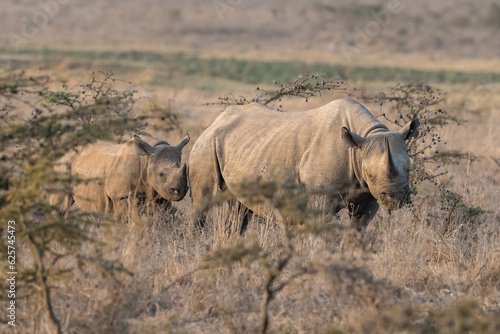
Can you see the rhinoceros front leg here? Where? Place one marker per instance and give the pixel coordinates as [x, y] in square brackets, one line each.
[203, 193]
[120, 208]
[363, 212]
[121, 200]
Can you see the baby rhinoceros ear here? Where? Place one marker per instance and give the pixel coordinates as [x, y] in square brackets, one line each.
[410, 130]
[142, 147]
[183, 143]
[351, 139]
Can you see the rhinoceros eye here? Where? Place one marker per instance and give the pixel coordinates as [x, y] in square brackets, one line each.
[162, 175]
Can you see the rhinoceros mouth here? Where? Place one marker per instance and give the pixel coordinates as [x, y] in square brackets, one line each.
[393, 202]
[389, 201]
[176, 194]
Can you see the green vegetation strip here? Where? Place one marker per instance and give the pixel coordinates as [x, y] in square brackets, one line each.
[256, 71]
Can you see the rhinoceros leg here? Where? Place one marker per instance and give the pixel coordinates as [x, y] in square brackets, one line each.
[62, 202]
[120, 207]
[203, 205]
[363, 212]
[201, 198]
[89, 196]
[205, 183]
[247, 215]
[243, 211]
[152, 201]
[119, 194]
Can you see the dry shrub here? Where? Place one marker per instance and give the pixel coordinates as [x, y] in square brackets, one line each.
[428, 268]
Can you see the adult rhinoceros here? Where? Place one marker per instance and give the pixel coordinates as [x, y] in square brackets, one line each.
[339, 149]
[113, 174]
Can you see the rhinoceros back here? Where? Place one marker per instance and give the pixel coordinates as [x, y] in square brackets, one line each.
[253, 143]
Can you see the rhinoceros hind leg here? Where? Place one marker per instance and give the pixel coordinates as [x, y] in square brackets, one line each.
[62, 202]
[120, 208]
[243, 214]
[199, 221]
[247, 215]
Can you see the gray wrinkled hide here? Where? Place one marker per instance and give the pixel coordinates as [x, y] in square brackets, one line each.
[115, 174]
[339, 149]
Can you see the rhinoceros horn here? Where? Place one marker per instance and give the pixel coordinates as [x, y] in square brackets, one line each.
[389, 160]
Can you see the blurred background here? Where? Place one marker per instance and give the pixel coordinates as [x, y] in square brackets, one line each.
[256, 41]
[268, 29]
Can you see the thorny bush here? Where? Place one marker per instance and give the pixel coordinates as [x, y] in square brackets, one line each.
[38, 127]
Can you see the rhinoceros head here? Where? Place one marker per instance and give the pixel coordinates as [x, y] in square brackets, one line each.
[384, 162]
[164, 173]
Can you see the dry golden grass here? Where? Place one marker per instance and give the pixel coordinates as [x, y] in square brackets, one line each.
[401, 273]
[421, 269]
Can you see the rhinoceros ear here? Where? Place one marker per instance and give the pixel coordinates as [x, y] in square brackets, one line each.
[142, 147]
[410, 130]
[183, 143]
[352, 139]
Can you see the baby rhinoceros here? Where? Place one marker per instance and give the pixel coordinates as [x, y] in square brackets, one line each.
[114, 174]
